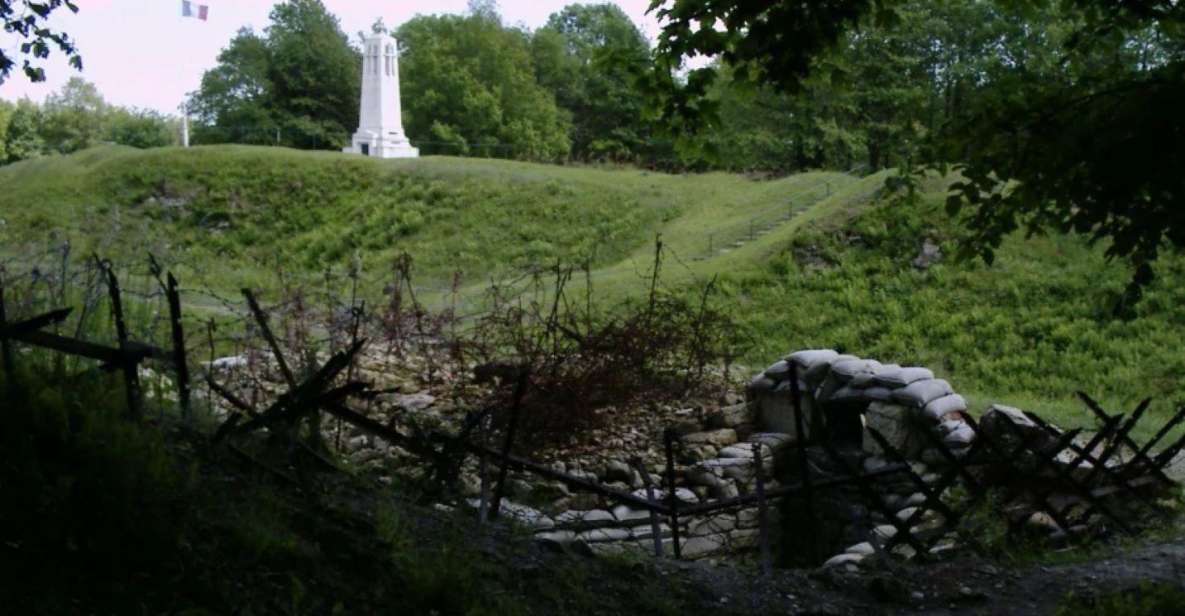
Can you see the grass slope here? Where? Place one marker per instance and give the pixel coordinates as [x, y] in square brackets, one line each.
[237, 214]
[1028, 331]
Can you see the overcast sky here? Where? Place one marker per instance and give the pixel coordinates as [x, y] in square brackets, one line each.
[142, 53]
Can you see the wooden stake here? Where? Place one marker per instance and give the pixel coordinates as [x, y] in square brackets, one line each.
[483, 507]
[180, 363]
[655, 527]
[672, 499]
[130, 365]
[762, 520]
[520, 389]
[5, 345]
[804, 461]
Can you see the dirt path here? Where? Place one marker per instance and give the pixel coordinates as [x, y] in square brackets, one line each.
[968, 585]
[1039, 589]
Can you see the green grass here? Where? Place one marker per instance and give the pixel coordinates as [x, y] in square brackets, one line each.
[104, 515]
[237, 215]
[1028, 331]
[1147, 599]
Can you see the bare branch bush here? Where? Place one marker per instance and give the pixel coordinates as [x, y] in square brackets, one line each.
[582, 359]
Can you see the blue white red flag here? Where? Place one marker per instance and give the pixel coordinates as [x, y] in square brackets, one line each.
[198, 11]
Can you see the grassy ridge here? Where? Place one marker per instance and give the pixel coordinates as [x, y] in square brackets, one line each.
[222, 207]
[237, 213]
[1028, 331]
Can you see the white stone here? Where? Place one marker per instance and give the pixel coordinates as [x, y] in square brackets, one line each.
[861, 548]
[380, 130]
[595, 518]
[884, 532]
[683, 494]
[630, 517]
[412, 402]
[721, 523]
[228, 363]
[738, 451]
[907, 513]
[558, 537]
[716, 438]
[601, 535]
[843, 559]
[647, 531]
[771, 440]
[698, 547]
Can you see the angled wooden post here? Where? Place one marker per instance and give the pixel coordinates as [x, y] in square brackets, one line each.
[483, 507]
[180, 363]
[1143, 453]
[803, 461]
[266, 330]
[668, 436]
[5, 345]
[129, 365]
[762, 516]
[655, 527]
[520, 389]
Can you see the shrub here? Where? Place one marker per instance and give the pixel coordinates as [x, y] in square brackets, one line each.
[580, 360]
[90, 500]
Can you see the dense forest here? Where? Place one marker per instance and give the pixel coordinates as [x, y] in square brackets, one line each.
[575, 89]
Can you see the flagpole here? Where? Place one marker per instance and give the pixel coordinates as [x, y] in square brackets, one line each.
[184, 125]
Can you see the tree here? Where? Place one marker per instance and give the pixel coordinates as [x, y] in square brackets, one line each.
[139, 129]
[27, 20]
[587, 56]
[469, 88]
[234, 100]
[24, 136]
[6, 111]
[1090, 140]
[763, 43]
[762, 129]
[301, 79]
[74, 117]
[1066, 117]
[315, 75]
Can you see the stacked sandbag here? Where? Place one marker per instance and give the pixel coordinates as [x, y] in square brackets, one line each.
[899, 400]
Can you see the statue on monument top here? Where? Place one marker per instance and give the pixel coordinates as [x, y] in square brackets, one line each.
[380, 126]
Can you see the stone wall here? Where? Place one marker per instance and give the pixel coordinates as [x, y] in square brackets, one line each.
[841, 394]
[714, 463]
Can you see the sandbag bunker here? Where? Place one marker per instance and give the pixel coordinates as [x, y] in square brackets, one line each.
[843, 395]
[861, 416]
[836, 460]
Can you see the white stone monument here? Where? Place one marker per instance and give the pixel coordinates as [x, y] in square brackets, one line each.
[380, 129]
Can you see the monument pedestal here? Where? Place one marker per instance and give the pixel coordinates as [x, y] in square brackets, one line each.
[367, 143]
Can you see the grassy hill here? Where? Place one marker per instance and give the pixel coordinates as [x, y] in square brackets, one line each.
[810, 260]
[235, 214]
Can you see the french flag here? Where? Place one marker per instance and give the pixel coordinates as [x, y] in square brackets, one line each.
[188, 10]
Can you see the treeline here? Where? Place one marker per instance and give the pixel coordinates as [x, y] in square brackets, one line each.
[76, 117]
[577, 89]
[571, 90]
